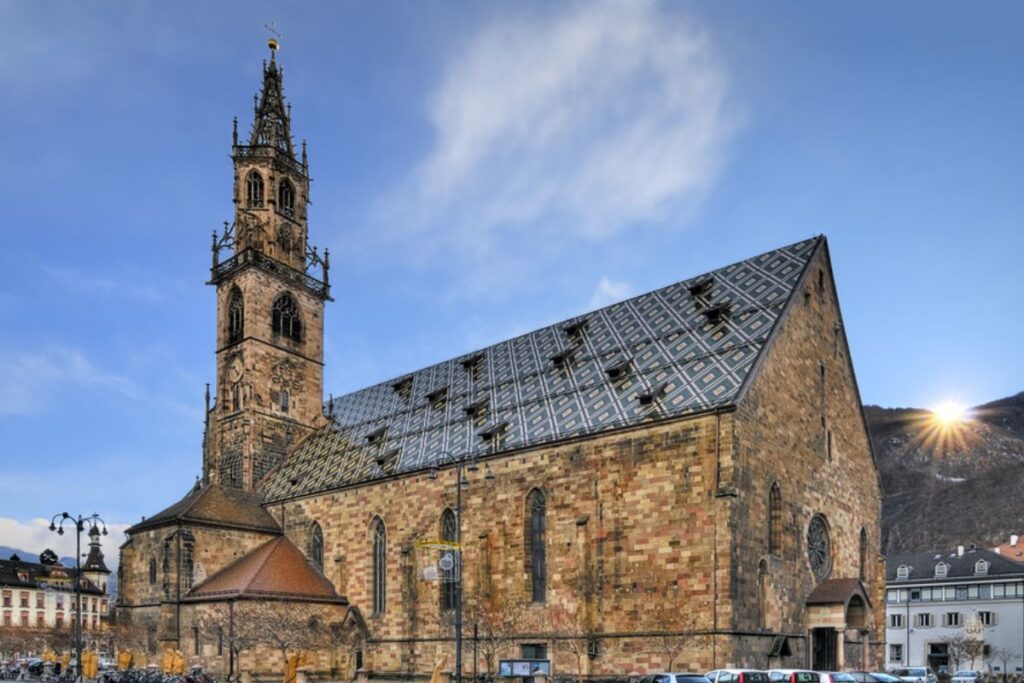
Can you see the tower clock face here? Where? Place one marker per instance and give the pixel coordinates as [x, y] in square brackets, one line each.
[235, 369]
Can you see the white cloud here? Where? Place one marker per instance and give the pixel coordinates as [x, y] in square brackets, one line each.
[34, 536]
[30, 378]
[553, 129]
[609, 292]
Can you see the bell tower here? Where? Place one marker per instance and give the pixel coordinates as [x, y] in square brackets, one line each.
[271, 289]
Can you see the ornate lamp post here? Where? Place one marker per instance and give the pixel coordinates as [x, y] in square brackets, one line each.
[80, 523]
[462, 465]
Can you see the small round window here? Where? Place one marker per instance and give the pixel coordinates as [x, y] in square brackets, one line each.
[819, 547]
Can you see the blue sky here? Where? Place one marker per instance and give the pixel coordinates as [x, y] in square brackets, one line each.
[482, 169]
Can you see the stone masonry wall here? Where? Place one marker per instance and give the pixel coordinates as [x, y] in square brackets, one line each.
[631, 533]
[214, 549]
[252, 431]
[805, 390]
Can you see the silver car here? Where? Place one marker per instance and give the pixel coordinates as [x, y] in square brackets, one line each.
[966, 677]
[916, 674]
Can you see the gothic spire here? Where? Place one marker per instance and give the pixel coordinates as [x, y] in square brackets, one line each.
[272, 124]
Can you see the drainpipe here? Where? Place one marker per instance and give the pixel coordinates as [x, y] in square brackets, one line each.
[714, 541]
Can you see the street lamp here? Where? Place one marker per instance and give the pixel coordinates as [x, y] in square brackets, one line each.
[466, 463]
[94, 522]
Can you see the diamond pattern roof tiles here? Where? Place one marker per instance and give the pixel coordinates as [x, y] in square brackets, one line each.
[665, 336]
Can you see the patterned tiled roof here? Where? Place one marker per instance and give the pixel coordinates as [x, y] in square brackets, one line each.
[683, 349]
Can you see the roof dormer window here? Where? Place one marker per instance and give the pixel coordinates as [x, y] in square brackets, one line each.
[403, 388]
[618, 369]
[656, 392]
[474, 366]
[574, 332]
[981, 567]
[377, 436]
[941, 570]
[701, 288]
[903, 572]
[476, 408]
[437, 398]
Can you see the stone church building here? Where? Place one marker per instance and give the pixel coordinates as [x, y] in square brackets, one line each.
[686, 470]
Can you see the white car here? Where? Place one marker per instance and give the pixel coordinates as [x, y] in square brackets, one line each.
[793, 676]
[916, 674]
[966, 677]
[837, 677]
[737, 676]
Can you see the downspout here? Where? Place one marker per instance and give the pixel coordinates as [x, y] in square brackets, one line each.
[177, 593]
[231, 640]
[714, 541]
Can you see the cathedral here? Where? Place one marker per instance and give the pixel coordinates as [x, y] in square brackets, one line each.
[682, 479]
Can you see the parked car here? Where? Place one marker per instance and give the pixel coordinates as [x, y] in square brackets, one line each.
[837, 677]
[874, 677]
[966, 677]
[737, 676]
[916, 674]
[674, 678]
[793, 676]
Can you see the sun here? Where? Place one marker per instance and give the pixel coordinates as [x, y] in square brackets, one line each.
[949, 413]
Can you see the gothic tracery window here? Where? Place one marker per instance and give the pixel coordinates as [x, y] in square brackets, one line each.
[285, 318]
[819, 547]
[775, 520]
[316, 546]
[236, 316]
[536, 564]
[254, 190]
[379, 587]
[286, 198]
[448, 576]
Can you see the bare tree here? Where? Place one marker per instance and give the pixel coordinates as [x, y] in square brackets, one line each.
[572, 632]
[287, 627]
[673, 627]
[236, 639]
[349, 636]
[1001, 655]
[498, 618]
[962, 649]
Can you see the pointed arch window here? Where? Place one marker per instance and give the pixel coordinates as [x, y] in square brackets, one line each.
[286, 198]
[152, 571]
[536, 560]
[762, 594]
[316, 545]
[380, 546]
[863, 553]
[285, 318]
[236, 316]
[449, 533]
[254, 190]
[187, 561]
[775, 520]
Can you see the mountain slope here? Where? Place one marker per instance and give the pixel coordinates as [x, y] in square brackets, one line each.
[946, 487]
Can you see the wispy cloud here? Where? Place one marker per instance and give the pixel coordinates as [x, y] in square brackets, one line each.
[86, 283]
[31, 378]
[34, 536]
[555, 129]
[608, 292]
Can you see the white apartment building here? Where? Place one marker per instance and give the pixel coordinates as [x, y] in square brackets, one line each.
[932, 597]
[40, 595]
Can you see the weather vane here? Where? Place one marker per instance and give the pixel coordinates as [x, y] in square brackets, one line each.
[272, 41]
